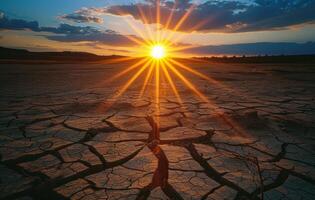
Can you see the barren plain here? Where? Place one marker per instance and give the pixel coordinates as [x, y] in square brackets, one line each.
[64, 136]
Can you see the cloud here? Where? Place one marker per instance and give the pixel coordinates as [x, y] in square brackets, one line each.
[70, 29]
[88, 34]
[17, 24]
[223, 15]
[84, 15]
[69, 33]
[207, 16]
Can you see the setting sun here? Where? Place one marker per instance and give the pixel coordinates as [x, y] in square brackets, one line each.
[158, 52]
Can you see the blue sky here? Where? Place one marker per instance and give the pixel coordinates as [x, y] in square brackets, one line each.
[101, 26]
[45, 11]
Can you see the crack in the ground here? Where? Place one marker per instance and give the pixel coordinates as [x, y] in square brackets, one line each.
[283, 152]
[160, 176]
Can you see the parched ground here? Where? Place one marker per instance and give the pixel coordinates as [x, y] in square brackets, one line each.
[63, 136]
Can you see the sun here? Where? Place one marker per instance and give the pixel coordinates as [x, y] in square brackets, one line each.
[158, 51]
[158, 66]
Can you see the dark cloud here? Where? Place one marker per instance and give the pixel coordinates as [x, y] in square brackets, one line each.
[69, 33]
[262, 48]
[224, 16]
[70, 29]
[84, 15]
[81, 18]
[275, 14]
[17, 24]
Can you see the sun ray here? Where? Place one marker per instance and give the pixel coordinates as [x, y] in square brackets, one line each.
[147, 79]
[176, 50]
[157, 81]
[135, 40]
[158, 16]
[115, 97]
[192, 70]
[145, 20]
[184, 17]
[119, 60]
[187, 82]
[170, 81]
[239, 129]
[132, 26]
[208, 78]
[196, 27]
[181, 21]
[146, 42]
[157, 92]
[181, 48]
[132, 79]
[137, 64]
[170, 17]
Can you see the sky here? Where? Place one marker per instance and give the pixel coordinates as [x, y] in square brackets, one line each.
[115, 27]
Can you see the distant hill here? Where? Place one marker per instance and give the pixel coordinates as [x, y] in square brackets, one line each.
[261, 59]
[254, 49]
[21, 54]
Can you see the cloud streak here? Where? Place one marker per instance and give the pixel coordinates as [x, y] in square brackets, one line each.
[84, 15]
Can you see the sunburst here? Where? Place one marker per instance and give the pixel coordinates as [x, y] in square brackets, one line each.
[158, 52]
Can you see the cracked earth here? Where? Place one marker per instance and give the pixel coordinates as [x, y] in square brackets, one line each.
[63, 136]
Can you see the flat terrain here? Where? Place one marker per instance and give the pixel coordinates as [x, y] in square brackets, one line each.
[64, 135]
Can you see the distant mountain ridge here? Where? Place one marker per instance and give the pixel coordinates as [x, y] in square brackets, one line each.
[9, 55]
[21, 54]
[260, 48]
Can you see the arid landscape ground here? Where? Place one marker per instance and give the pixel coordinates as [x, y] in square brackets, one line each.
[63, 136]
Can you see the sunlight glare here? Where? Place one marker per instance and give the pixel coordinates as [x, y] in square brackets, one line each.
[158, 52]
